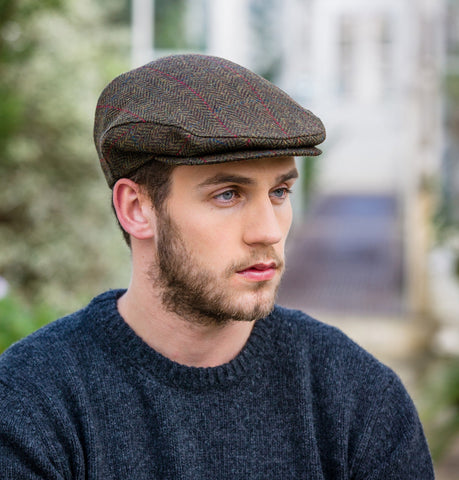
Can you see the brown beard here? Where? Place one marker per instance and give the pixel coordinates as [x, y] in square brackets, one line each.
[190, 291]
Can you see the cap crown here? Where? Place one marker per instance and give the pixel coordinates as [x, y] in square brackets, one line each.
[194, 109]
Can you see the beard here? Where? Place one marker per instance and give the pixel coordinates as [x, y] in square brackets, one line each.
[198, 295]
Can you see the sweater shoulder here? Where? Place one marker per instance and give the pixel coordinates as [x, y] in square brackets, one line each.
[52, 349]
[306, 331]
[43, 355]
[328, 350]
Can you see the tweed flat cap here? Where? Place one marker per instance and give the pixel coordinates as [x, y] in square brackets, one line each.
[197, 109]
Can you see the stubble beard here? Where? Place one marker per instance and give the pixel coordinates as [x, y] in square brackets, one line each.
[192, 292]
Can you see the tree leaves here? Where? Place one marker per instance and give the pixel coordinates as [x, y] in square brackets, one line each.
[58, 239]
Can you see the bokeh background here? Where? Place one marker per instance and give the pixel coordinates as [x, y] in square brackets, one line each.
[375, 243]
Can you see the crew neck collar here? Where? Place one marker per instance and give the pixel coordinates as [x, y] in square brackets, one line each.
[118, 337]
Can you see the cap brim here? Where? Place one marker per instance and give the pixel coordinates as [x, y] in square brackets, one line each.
[239, 156]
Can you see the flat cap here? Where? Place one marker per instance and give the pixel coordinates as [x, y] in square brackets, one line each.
[196, 109]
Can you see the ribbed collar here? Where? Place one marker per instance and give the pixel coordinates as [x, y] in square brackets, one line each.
[117, 337]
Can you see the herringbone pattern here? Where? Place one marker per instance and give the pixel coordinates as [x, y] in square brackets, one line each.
[194, 109]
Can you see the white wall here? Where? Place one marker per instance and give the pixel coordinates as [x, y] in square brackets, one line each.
[228, 30]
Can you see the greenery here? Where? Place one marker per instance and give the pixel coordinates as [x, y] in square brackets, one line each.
[308, 177]
[58, 240]
[441, 405]
[20, 319]
[441, 388]
[447, 216]
[175, 29]
[169, 24]
[59, 243]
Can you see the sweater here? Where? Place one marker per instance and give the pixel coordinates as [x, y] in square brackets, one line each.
[86, 398]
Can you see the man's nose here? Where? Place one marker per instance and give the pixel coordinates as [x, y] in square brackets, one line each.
[262, 225]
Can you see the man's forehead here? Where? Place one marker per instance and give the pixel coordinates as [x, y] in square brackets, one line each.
[245, 172]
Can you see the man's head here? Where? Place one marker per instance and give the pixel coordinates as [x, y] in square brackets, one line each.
[199, 153]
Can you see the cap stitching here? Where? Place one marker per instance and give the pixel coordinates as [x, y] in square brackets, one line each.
[258, 96]
[187, 139]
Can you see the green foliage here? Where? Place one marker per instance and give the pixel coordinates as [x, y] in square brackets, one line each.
[117, 12]
[169, 24]
[308, 176]
[58, 240]
[14, 46]
[451, 86]
[179, 25]
[446, 218]
[18, 320]
[441, 406]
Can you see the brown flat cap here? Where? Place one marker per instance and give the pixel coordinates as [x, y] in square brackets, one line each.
[196, 109]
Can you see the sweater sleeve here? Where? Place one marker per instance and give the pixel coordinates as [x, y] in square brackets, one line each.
[393, 445]
[27, 440]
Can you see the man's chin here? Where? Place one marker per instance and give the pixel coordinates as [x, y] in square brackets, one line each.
[243, 310]
[252, 311]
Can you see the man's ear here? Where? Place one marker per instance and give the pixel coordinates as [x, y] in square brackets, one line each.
[133, 209]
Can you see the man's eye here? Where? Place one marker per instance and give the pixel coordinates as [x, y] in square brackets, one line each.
[281, 192]
[226, 196]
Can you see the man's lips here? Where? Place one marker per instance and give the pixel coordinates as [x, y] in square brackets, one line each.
[259, 272]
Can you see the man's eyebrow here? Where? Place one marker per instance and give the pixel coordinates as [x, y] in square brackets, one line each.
[287, 176]
[220, 178]
[226, 178]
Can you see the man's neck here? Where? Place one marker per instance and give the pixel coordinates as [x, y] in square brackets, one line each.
[181, 340]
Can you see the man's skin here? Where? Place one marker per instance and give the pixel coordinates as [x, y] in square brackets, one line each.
[233, 219]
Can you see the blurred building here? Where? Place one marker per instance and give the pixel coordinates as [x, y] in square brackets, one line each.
[370, 70]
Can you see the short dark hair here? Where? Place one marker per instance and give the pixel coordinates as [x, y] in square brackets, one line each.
[155, 179]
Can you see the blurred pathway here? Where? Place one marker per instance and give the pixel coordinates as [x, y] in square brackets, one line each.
[347, 258]
[345, 268]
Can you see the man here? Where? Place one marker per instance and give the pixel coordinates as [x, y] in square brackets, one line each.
[192, 373]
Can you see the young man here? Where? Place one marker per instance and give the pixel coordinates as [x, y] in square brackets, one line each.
[192, 372]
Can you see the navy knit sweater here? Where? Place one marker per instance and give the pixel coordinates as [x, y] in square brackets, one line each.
[86, 398]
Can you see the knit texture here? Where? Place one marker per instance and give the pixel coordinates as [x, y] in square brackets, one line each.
[85, 398]
[197, 109]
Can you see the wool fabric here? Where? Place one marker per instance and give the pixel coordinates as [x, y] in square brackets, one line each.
[86, 398]
[196, 109]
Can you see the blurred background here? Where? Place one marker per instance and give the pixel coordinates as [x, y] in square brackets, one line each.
[375, 243]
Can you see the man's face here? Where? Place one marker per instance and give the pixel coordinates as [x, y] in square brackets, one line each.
[221, 236]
